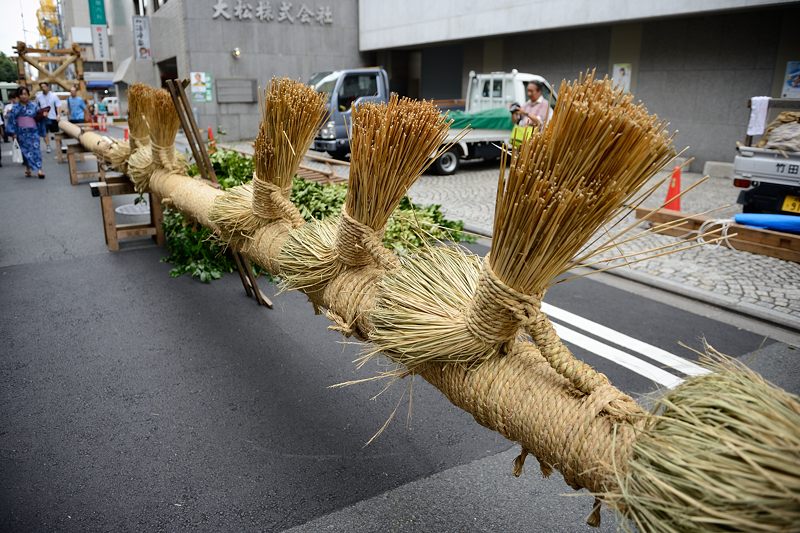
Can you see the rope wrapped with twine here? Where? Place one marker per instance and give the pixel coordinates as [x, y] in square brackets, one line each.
[243, 210]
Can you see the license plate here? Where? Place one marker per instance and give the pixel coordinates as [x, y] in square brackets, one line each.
[791, 204]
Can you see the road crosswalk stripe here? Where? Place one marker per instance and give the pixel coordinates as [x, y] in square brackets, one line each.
[626, 360]
[620, 339]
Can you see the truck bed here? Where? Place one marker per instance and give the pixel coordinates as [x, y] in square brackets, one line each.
[768, 166]
[497, 136]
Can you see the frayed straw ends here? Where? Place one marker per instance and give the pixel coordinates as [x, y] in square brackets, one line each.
[307, 258]
[420, 311]
[721, 453]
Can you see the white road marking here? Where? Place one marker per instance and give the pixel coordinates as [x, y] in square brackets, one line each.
[643, 368]
[620, 339]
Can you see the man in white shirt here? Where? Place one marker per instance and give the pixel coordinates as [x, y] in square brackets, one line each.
[48, 126]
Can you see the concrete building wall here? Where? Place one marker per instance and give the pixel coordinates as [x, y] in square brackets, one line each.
[423, 22]
[699, 73]
[696, 72]
[268, 49]
[168, 35]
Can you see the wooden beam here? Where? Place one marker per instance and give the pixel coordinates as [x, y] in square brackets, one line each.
[777, 244]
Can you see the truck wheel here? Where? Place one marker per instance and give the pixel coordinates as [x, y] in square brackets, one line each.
[447, 163]
[339, 154]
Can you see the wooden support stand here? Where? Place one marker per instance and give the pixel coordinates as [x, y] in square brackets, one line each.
[76, 152]
[114, 232]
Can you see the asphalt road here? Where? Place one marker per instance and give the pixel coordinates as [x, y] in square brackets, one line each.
[134, 401]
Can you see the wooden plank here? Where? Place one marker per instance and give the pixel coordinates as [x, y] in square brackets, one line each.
[127, 231]
[157, 219]
[109, 223]
[784, 246]
[102, 189]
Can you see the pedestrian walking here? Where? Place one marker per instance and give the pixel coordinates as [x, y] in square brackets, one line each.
[76, 106]
[22, 126]
[50, 101]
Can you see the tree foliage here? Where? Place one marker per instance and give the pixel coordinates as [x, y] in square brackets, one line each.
[8, 68]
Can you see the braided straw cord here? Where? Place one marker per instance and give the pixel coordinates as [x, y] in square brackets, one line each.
[265, 245]
[358, 245]
[522, 398]
[498, 311]
[272, 203]
[139, 142]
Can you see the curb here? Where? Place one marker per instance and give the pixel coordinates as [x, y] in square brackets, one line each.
[724, 302]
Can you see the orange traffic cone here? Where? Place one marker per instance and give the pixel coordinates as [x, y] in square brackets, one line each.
[126, 135]
[673, 193]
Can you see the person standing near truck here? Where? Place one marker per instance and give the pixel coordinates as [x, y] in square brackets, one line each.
[534, 112]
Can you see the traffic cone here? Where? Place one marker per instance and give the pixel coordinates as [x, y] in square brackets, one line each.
[126, 134]
[673, 193]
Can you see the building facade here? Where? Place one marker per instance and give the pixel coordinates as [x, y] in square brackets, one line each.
[98, 66]
[695, 64]
[235, 47]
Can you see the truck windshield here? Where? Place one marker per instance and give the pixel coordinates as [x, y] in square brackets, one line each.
[324, 82]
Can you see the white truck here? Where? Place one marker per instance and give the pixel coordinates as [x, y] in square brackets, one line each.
[494, 90]
[770, 177]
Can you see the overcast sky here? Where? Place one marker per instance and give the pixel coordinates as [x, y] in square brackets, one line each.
[11, 23]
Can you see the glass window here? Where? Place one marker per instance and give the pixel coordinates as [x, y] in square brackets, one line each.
[485, 92]
[497, 88]
[354, 86]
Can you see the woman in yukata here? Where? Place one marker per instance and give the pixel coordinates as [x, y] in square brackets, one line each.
[22, 126]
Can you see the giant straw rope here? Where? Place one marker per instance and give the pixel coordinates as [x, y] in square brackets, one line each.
[534, 392]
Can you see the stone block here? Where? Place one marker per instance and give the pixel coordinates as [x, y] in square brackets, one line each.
[718, 169]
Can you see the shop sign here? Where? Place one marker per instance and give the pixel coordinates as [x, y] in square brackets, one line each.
[280, 12]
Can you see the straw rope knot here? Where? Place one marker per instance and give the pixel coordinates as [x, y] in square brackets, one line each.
[164, 156]
[359, 245]
[497, 311]
[270, 202]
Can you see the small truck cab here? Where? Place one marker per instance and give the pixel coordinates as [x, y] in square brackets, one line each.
[501, 89]
[345, 89]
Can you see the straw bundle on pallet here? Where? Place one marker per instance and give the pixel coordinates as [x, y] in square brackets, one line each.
[718, 455]
[291, 114]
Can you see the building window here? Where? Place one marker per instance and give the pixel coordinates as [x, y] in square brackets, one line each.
[93, 66]
[140, 7]
[354, 86]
